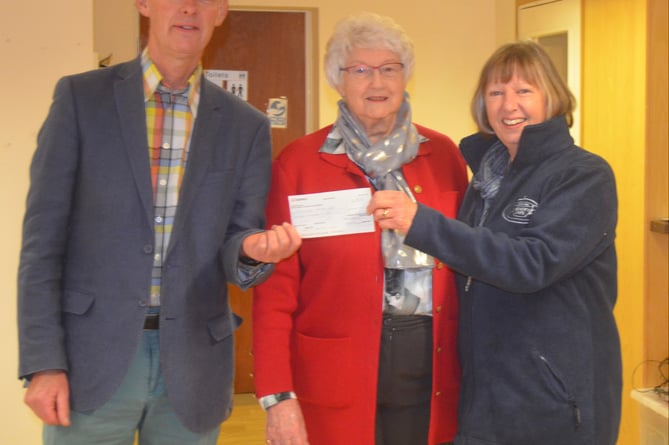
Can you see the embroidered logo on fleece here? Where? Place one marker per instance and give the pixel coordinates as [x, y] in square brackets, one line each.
[520, 211]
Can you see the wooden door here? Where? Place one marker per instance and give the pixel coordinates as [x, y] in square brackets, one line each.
[275, 49]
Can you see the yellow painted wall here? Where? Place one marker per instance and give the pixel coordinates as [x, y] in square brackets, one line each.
[656, 329]
[614, 119]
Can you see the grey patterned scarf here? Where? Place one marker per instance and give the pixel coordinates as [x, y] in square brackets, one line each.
[382, 163]
[489, 177]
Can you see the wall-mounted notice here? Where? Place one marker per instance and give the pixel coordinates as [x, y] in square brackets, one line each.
[235, 82]
[277, 112]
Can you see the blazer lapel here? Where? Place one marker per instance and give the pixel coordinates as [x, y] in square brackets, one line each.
[129, 94]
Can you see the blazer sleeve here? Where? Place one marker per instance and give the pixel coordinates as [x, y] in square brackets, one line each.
[45, 228]
[248, 215]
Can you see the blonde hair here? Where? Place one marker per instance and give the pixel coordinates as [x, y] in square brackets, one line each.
[529, 61]
[369, 31]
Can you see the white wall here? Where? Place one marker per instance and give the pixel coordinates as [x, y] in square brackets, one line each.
[115, 29]
[40, 42]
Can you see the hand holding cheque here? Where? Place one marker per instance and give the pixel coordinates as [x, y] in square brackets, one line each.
[350, 211]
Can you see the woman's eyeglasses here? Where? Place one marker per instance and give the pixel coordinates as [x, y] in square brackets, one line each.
[361, 71]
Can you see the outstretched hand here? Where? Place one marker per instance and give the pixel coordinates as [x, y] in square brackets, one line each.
[392, 210]
[273, 245]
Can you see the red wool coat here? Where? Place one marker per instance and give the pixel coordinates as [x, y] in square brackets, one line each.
[317, 319]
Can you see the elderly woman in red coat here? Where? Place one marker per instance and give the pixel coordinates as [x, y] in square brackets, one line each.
[354, 336]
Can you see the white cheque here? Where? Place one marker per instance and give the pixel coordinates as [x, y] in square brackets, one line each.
[331, 213]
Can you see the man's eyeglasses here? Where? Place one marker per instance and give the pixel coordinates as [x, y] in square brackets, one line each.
[363, 72]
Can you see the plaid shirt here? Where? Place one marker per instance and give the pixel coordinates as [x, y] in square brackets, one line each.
[170, 115]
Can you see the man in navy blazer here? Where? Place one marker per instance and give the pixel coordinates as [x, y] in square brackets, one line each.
[119, 334]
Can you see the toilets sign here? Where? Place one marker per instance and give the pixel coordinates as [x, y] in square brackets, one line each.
[235, 82]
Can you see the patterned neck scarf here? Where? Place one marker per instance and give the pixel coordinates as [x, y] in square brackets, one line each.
[382, 163]
[489, 177]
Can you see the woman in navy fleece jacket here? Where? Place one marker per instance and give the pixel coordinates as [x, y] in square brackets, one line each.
[534, 248]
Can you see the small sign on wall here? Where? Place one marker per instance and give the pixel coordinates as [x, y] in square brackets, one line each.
[235, 82]
[277, 112]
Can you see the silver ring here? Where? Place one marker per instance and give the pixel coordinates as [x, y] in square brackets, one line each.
[386, 212]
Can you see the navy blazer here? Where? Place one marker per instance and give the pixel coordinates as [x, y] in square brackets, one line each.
[88, 242]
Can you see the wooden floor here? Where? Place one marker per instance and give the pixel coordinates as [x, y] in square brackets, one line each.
[246, 425]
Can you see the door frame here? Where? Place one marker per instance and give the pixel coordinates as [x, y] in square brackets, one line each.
[550, 17]
[240, 300]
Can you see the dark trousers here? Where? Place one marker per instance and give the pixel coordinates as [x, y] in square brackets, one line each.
[405, 381]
